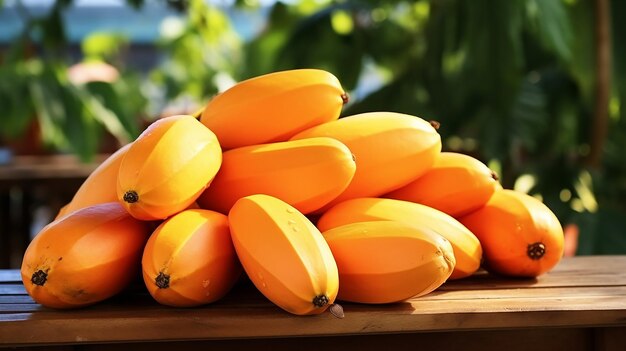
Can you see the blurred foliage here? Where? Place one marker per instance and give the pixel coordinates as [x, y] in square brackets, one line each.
[512, 83]
[36, 90]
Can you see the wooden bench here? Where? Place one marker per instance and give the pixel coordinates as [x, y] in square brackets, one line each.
[580, 305]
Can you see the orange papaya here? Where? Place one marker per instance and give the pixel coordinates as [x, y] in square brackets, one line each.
[167, 167]
[519, 234]
[190, 260]
[456, 184]
[466, 247]
[84, 257]
[273, 107]
[307, 174]
[284, 254]
[391, 150]
[100, 186]
[388, 261]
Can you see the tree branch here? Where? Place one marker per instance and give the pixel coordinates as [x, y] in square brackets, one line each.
[600, 122]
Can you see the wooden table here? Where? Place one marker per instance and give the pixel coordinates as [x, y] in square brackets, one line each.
[580, 305]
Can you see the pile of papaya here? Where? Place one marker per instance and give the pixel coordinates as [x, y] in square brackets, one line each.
[268, 182]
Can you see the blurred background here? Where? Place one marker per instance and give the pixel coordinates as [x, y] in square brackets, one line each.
[533, 88]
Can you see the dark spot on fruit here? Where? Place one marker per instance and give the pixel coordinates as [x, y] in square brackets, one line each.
[494, 175]
[162, 280]
[536, 250]
[345, 98]
[39, 278]
[320, 301]
[131, 196]
[435, 124]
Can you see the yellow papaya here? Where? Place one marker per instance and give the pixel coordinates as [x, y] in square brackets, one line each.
[307, 174]
[284, 254]
[388, 261]
[456, 184]
[100, 186]
[84, 257]
[190, 260]
[519, 234]
[466, 247]
[167, 168]
[391, 150]
[273, 107]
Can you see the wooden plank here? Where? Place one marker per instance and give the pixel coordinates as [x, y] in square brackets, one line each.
[9, 299]
[510, 340]
[578, 271]
[610, 339]
[12, 289]
[10, 276]
[267, 320]
[245, 313]
[265, 323]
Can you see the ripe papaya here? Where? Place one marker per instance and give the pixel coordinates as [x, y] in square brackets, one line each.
[388, 261]
[391, 150]
[190, 260]
[273, 107]
[84, 257]
[284, 254]
[519, 234]
[456, 184]
[466, 247]
[100, 186]
[307, 174]
[167, 167]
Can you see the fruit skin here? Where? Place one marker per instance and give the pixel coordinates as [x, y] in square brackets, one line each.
[167, 167]
[387, 261]
[273, 107]
[466, 247]
[391, 150]
[509, 227]
[194, 252]
[100, 186]
[284, 255]
[307, 174]
[456, 184]
[86, 257]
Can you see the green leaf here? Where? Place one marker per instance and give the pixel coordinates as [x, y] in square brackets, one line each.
[50, 112]
[94, 108]
[551, 25]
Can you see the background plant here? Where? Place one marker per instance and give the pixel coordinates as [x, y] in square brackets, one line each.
[532, 87]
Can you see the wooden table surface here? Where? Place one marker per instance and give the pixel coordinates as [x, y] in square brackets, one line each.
[580, 305]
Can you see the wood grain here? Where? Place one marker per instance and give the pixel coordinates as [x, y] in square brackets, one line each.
[581, 293]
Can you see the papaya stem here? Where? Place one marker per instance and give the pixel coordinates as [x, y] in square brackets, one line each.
[536, 250]
[320, 300]
[131, 196]
[162, 280]
[39, 278]
[435, 124]
[345, 98]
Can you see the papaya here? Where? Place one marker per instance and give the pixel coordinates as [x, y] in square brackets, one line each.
[391, 150]
[307, 174]
[190, 260]
[466, 247]
[456, 184]
[519, 234]
[167, 167]
[284, 254]
[84, 257]
[388, 261]
[100, 186]
[273, 107]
